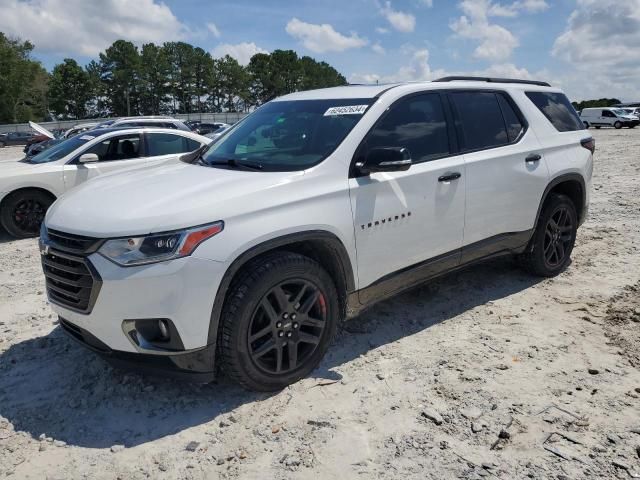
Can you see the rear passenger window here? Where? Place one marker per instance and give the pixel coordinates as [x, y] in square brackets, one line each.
[480, 120]
[511, 120]
[558, 110]
[167, 144]
[416, 123]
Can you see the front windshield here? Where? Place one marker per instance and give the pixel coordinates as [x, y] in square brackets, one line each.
[288, 135]
[60, 150]
[619, 111]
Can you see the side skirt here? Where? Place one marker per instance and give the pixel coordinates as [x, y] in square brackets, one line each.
[401, 280]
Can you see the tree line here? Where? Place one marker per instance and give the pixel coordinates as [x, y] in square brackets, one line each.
[601, 102]
[171, 78]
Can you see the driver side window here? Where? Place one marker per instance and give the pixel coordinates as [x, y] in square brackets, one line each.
[416, 123]
[123, 147]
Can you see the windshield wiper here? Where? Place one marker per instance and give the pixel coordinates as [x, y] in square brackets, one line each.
[232, 162]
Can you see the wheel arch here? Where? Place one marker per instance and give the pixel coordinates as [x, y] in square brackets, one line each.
[322, 246]
[25, 189]
[572, 185]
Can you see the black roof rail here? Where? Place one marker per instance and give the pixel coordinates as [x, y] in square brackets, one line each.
[493, 80]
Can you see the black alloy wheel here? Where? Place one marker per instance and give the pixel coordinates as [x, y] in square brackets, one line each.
[22, 212]
[278, 320]
[549, 251]
[28, 215]
[558, 237]
[287, 326]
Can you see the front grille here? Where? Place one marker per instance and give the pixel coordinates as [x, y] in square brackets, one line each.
[69, 242]
[71, 280]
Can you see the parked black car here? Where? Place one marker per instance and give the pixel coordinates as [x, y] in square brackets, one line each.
[15, 138]
[206, 128]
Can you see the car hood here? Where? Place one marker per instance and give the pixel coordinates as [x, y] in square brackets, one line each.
[163, 198]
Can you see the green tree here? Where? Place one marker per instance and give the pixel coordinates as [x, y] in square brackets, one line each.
[154, 79]
[319, 75]
[601, 102]
[120, 76]
[23, 83]
[70, 89]
[231, 84]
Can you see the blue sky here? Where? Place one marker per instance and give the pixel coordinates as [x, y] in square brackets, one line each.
[572, 43]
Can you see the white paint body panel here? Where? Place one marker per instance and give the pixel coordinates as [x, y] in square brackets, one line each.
[59, 176]
[497, 193]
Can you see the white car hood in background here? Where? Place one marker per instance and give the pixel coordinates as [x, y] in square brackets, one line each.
[41, 129]
[159, 199]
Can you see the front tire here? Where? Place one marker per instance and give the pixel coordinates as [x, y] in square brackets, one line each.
[21, 213]
[617, 125]
[552, 243]
[278, 321]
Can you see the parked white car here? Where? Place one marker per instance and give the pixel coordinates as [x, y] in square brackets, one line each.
[608, 117]
[159, 122]
[28, 187]
[313, 207]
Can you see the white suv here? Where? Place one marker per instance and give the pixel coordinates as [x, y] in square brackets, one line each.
[312, 208]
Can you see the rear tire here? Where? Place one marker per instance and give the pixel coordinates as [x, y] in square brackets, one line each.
[550, 249]
[617, 125]
[277, 322]
[22, 212]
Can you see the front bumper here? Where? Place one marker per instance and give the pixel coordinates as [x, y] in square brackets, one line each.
[193, 366]
[181, 290]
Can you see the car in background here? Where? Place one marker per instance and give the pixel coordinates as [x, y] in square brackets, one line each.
[29, 187]
[161, 122]
[76, 129]
[15, 138]
[218, 133]
[635, 111]
[608, 117]
[213, 127]
[40, 147]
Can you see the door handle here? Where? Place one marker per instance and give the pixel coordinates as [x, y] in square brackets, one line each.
[449, 176]
[534, 157]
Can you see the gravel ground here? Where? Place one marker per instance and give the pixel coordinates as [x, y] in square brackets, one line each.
[484, 373]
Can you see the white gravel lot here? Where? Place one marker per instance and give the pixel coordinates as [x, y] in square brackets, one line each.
[484, 373]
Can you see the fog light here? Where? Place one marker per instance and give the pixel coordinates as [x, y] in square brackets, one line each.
[164, 329]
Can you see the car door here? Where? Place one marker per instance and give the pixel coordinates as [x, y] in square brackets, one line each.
[404, 218]
[608, 117]
[166, 147]
[506, 173]
[117, 152]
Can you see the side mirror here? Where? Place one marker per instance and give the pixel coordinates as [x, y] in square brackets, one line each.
[88, 158]
[385, 159]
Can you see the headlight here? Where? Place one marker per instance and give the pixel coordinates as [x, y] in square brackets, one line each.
[157, 247]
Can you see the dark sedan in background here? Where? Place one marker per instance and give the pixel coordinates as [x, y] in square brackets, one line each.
[15, 138]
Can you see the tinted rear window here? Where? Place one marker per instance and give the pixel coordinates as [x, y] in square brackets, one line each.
[558, 110]
[480, 120]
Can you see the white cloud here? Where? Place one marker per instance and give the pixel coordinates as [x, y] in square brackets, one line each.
[379, 49]
[496, 42]
[427, 3]
[418, 69]
[382, 30]
[85, 27]
[601, 44]
[322, 38]
[213, 28]
[513, 9]
[401, 21]
[242, 52]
